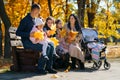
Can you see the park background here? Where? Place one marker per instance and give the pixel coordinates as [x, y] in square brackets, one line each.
[103, 15]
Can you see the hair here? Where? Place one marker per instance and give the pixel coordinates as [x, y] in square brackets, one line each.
[35, 6]
[57, 21]
[49, 18]
[77, 25]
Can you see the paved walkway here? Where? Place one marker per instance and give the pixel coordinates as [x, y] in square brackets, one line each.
[89, 74]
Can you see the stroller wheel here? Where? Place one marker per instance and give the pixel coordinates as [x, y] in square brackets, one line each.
[107, 65]
[99, 64]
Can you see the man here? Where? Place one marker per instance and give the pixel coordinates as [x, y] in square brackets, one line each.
[24, 29]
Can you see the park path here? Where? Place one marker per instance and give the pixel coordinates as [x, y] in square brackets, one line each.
[112, 74]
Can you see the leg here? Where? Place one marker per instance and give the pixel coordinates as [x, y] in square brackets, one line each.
[44, 48]
[50, 56]
[82, 67]
[42, 62]
[73, 66]
[49, 64]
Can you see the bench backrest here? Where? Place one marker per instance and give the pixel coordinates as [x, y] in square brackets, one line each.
[14, 39]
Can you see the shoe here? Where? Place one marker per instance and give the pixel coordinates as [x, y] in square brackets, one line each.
[42, 72]
[46, 57]
[52, 71]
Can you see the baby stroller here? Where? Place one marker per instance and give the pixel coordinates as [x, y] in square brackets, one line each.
[91, 36]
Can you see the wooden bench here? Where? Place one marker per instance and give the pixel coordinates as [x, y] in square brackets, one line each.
[23, 59]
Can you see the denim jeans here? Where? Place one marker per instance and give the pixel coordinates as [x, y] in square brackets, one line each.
[46, 64]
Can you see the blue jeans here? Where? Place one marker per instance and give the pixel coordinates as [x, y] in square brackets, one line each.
[42, 62]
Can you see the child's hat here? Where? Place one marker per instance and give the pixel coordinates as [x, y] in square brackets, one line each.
[38, 21]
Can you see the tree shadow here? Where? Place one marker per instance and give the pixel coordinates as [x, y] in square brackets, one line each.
[10, 75]
[88, 70]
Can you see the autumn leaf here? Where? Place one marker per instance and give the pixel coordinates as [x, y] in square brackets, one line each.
[39, 35]
[55, 41]
[63, 33]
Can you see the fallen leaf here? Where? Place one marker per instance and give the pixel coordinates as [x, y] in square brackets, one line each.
[55, 76]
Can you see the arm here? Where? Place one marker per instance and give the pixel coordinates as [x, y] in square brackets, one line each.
[20, 31]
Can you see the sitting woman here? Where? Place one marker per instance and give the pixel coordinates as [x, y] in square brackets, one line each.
[74, 46]
[62, 48]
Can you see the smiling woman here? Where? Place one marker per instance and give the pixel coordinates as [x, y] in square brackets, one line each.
[74, 47]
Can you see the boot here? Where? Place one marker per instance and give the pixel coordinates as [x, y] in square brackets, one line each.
[82, 67]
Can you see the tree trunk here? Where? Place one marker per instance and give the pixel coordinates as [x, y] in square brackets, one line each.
[7, 24]
[50, 8]
[66, 11]
[91, 17]
[91, 12]
[0, 40]
[81, 11]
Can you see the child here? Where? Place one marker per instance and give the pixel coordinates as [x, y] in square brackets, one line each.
[39, 27]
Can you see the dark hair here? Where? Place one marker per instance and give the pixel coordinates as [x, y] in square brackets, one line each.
[57, 21]
[77, 25]
[49, 18]
[35, 6]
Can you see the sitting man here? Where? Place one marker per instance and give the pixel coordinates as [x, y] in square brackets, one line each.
[24, 29]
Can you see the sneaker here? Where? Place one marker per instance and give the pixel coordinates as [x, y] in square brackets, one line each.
[52, 71]
[46, 57]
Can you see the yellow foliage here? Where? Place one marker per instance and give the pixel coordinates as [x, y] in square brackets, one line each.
[16, 10]
[73, 34]
[39, 35]
[55, 41]
[68, 68]
[54, 76]
[106, 25]
[62, 33]
[51, 32]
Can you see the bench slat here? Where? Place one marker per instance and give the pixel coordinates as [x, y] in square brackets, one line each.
[13, 29]
[14, 36]
[16, 43]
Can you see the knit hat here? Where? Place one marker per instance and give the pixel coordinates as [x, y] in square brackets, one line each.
[38, 21]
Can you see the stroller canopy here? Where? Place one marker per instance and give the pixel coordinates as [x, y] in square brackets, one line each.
[89, 34]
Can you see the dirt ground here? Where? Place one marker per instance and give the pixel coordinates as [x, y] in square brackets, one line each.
[89, 74]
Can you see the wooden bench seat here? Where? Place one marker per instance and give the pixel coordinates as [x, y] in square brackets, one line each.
[23, 59]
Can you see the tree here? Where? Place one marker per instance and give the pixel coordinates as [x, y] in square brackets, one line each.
[81, 11]
[0, 39]
[107, 23]
[92, 7]
[50, 8]
[7, 24]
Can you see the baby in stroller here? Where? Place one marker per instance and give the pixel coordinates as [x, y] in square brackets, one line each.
[93, 48]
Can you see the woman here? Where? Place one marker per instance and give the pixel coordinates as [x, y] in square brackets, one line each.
[48, 24]
[74, 48]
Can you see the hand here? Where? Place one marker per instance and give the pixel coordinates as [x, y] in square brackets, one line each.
[48, 33]
[32, 34]
[37, 39]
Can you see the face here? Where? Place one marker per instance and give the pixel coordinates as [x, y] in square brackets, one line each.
[72, 20]
[49, 23]
[59, 25]
[35, 12]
